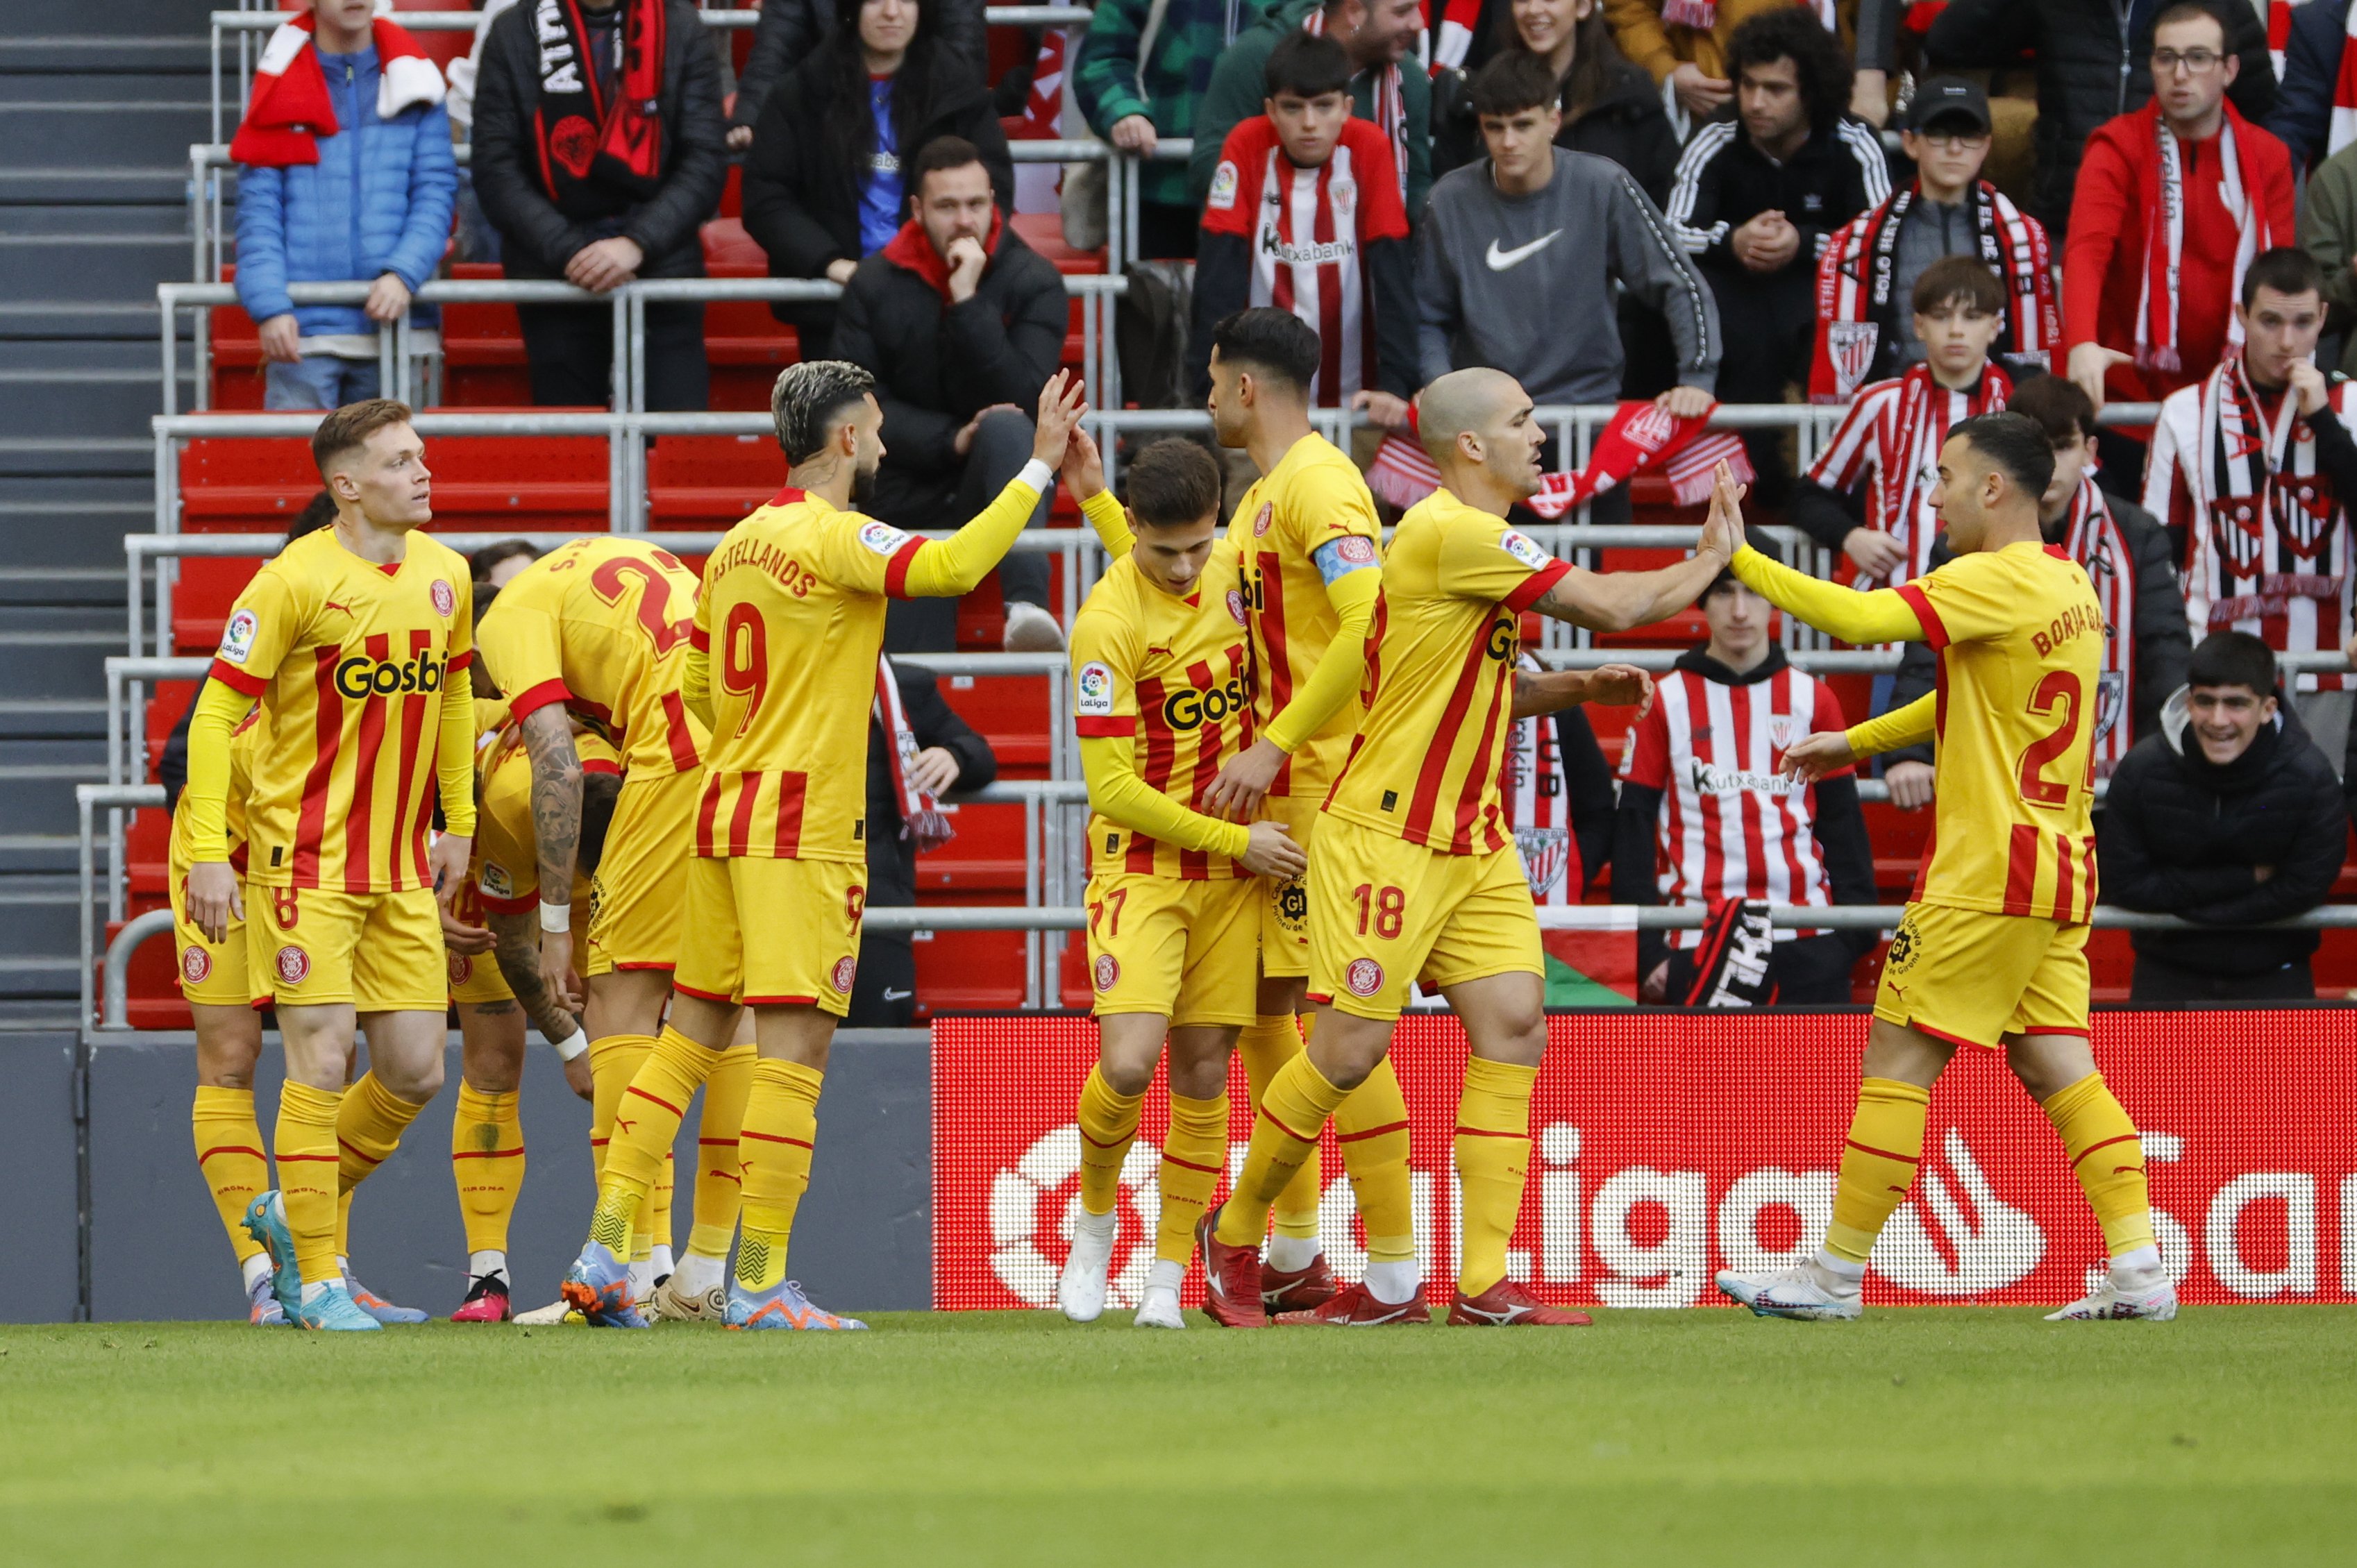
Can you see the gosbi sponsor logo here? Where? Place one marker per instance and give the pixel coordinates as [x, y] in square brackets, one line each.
[294, 965]
[1108, 970]
[847, 969]
[362, 677]
[195, 963]
[1711, 1145]
[1188, 708]
[1364, 977]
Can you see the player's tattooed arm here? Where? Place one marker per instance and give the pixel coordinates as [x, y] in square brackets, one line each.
[1549, 690]
[555, 797]
[516, 943]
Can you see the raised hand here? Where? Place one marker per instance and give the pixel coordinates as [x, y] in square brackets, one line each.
[1811, 757]
[1062, 402]
[1083, 466]
[1722, 530]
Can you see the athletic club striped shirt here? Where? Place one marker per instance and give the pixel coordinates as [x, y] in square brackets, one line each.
[1440, 689]
[352, 662]
[602, 626]
[2019, 637]
[1732, 825]
[1891, 439]
[1307, 229]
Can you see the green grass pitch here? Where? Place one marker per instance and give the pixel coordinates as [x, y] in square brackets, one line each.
[1915, 1437]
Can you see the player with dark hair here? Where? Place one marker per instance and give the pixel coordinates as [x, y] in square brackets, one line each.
[1161, 681]
[1992, 953]
[355, 639]
[784, 657]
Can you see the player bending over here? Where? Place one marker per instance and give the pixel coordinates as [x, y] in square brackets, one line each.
[1160, 670]
[783, 666]
[1415, 873]
[1992, 952]
[355, 639]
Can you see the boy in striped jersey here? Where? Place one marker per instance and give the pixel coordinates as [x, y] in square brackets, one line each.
[1416, 875]
[1161, 699]
[356, 640]
[1993, 951]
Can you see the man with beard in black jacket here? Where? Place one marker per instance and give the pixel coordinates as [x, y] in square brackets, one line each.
[962, 323]
[597, 155]
[942, 752]
[2228, 817]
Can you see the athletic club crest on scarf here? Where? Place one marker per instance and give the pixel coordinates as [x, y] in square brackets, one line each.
[598, 149]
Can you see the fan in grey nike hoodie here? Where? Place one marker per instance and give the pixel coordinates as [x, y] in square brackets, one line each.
[1523, 283]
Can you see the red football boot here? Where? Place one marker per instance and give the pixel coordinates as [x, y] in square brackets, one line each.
[1508, 1305]
[1230, 1279]
[1297, 1290]
[487, 1302]
[1355, 1306]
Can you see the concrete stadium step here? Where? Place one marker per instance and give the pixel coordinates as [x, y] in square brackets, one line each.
[73, 403]
[38, 918]
[89, 265]
[90, 457]
[67, 662]
[133, 322]
[47, 718]
[41, 978]
[51, 121]
[24, 854]
[37, 798]
[98, 587]
[72, 520]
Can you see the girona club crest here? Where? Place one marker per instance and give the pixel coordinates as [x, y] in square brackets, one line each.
[2237, 534]
[294, 964]
[462, 968]
[846, 969]
[445, 601]
[1261, 519]
[1364, 977]
[1108, 970]
[195, 964]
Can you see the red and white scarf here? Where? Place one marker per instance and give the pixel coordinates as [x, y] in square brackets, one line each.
[2344, 128]
[1536, 803]
[2092, 537]
[1638, 438]
[290, 109]
[1390, 105]
[1891, 439]
[1703, 15]
[2160, 190]
[1454, 39]
[921, 818]
[1043, 110]
[1857, 317]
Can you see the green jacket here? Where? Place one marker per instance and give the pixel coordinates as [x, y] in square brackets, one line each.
[2328, 231]
[1110, 85]
[1239, 86]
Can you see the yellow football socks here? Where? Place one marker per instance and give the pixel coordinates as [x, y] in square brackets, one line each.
[1265, 1045]
[229, 1153]
[1192, 1155]
[719, 1189]
[487, 1160]
[343, 1226]
[1372, 1128]
[1284, 1135]
[1878, 1164]
[1494, 1155]
[646, 1124]
[1108, 1126]
[774, 1149]
[369, 1127]
[613, 1062]
[306, 1150]
[2109, 1158]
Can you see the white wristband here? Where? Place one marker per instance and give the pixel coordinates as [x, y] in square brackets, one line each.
[572, 1045]
[555, 917]
[1037, 475]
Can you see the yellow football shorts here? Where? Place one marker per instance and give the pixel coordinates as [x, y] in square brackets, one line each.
[638, 899]
[1384, 913]
[804, 919]
[475, 978]
[1181, 949]
[1285, 905]
[1972, 977]
[379, 951]
[211, 973]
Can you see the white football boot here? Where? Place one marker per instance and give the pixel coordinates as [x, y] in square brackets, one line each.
[1796, 1292]
[2154, 1301]
[1081, 1289]
[1159, 1308]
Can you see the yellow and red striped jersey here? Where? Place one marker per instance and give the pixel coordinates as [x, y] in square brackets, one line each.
[1170, 675]
[1306, 520]
[791, 619]
[601, 625]
[2021, 639]
[243, 742]
[350, 659]
[506, 875]
[1440, 678]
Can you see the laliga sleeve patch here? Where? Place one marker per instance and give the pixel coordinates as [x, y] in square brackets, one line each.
[1523, 548]
[882, 538]
[1224, 181]
[237, 638]
[1093, 697]
[495, 882]
[1339, 558]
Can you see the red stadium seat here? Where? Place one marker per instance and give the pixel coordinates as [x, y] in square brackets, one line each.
[708, 482]
[964, 970]
[1010, 712]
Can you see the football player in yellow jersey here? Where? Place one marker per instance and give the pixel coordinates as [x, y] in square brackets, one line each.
[785, 657]
[1992, 952]
[1160, 701]
[596, 633]
[1415, 875]
[1307, 540]
[356, 640]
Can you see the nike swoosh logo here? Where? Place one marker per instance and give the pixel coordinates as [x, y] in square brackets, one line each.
[892, 996]
[1500, 260]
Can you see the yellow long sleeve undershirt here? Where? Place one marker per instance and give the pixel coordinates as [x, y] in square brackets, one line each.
[454, 756]
[1340, 670]
[1112, 523]
[946, 568]
[205, 798]
[1881, 615]
[1911, 726]
[1117, 794]
[695, 684]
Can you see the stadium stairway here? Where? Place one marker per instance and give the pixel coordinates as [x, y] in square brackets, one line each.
[98, 107]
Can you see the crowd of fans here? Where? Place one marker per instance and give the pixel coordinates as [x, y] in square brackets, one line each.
[1918, 212]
